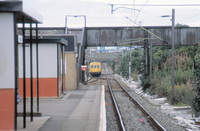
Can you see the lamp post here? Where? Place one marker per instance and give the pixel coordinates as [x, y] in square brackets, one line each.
[130, 64]
[75, 16]
[173, 23]
[173, 59]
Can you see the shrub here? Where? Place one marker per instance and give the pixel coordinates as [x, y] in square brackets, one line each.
[160, 82]
[183, 94]
[112, 65]
[134, 75]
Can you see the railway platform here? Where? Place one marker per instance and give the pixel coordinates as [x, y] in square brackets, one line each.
[79, 110]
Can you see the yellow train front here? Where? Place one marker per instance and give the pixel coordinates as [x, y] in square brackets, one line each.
[95, 68]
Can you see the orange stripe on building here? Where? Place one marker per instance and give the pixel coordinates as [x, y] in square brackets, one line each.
[47, 87]
[7, 109]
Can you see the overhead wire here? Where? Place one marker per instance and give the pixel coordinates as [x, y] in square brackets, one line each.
[141, 10]
[191, 17]
[148, 31]
[136, 17]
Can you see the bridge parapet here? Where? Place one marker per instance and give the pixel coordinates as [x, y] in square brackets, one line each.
[126, 36]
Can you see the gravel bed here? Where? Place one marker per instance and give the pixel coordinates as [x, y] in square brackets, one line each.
[165, 120]
[133, 118]
[111, 117]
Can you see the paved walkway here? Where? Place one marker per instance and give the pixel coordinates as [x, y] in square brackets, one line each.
[79, 110]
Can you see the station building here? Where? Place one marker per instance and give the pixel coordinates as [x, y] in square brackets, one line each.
[34, 66]
[52, 67]
[11, 14]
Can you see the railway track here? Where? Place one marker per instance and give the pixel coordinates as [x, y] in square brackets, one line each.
[133, 115]
[140, 119]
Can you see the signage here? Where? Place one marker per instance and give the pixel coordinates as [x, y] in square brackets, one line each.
[83, 67]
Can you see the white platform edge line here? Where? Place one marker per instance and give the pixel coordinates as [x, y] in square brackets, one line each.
[102, 125]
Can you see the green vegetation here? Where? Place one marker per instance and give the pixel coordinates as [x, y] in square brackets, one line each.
[181, 25]
[187, 73]
[112, 65]
[136, 61]
[196, 100]
[160, 81]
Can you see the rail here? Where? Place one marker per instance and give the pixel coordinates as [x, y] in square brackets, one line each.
[116, 106]
[149, 117]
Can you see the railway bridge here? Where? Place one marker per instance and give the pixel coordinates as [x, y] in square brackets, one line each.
[128, 36]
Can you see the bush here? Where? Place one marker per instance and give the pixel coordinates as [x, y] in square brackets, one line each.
[160, 82]
[196, 105]
[183, 94]
[112, 65]
[134, 75]
[196, 100]
[145, 83]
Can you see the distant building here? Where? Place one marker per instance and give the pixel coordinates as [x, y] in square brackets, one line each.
[102, 49]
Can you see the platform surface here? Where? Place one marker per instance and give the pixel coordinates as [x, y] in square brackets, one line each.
[79, 110]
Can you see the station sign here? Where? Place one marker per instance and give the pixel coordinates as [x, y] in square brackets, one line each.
[20, 39]
[83, 67]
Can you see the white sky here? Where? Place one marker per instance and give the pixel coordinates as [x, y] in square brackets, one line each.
[98, 12]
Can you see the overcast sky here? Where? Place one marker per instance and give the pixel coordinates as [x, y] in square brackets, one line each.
[98, 12]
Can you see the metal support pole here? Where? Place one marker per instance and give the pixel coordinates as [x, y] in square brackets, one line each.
[130, 63]
[37, 67]
[58, 68]
[83, 63]
[66, 28]
[146, 55]
[150, 59]
[16, 68]
[84, 20]
[31, 70]
[173, 23]
[63, 67]
[24, 75]
[111, 8]
[146, 61]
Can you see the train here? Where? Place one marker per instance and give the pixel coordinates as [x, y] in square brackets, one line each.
[95, 69]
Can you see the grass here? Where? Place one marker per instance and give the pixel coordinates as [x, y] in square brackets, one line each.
[179, 104]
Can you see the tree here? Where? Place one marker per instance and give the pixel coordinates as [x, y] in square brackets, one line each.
[182, 25]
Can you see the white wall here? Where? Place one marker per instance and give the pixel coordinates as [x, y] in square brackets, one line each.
[6, 50]
[47, 60]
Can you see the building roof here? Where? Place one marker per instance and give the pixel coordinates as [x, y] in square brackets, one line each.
[22, 10]
[47, 40]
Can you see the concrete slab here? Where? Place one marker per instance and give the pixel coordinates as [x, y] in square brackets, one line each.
[86, 115]
[31, 126]
[78, 110]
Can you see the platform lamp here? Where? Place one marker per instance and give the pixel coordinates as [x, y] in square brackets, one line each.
[75, 16]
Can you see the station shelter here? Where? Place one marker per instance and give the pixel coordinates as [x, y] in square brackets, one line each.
[12, 13]
[52, 66]
[72, 53]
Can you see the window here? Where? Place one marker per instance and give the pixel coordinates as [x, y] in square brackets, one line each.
[91, 66]
[95, 66]
[98, 66]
